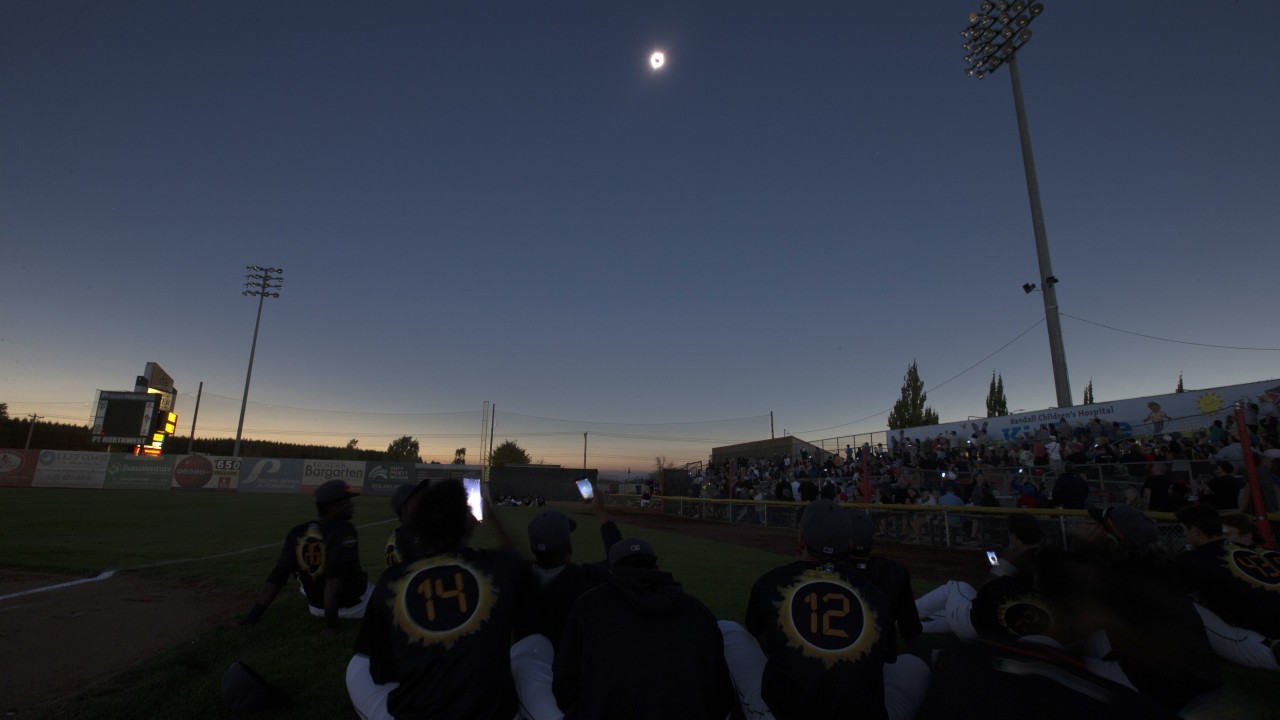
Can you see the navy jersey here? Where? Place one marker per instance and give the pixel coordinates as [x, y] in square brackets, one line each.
[1008, 608]
[1241, 585]
[318, 550]
[827, 633]
[441, 626]
[402, 546]
[894, 580]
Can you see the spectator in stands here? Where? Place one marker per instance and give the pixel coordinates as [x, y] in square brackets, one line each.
[1223, 489]
[1269, 419]
[1070, 492]
[1155, 490]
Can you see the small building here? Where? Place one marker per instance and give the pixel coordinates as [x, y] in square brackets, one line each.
[768, 450]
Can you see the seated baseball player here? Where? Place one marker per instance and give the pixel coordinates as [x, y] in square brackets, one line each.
[1033, 677]
[437, 632]
[948, 608]
[639, 647]
[1116, 593]
[824, 633]
[1240, 529]
[560, 583]
[324, 555]
[1237, 590]
[402, 545]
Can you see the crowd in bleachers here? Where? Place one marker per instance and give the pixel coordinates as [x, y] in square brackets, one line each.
[1059, 465]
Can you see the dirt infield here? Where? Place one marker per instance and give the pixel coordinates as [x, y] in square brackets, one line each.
[61, 642]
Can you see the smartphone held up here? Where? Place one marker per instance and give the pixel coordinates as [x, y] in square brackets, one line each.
[474, 501]
[584, 489]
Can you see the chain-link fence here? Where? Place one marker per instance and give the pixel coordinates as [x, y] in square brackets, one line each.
[943, 526]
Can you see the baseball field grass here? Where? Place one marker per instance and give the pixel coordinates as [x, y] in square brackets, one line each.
[224, 544]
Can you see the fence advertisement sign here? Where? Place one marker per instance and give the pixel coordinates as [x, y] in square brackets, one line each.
[382, 478]
[317, 472]
[17, 467]
[270, 475]
[126, 471]
[71, 469]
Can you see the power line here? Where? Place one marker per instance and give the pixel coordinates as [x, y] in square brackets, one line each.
[1169, 340]
[935, 387]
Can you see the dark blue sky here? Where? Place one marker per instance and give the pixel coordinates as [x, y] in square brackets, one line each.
[501, 201]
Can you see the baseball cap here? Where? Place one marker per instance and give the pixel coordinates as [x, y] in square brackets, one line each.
[244, 690]
[863, 531]
[826, 527]
[630, 547]
[403, 493]
[333, 491]
[1128, 525]
[550, 530]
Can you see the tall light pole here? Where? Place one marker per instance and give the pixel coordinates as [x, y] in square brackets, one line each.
[993, 37]
[264, 282]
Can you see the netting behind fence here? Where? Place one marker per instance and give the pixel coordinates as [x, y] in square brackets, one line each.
[975, 527]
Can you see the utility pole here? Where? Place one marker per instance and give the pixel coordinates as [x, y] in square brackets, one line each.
[32, 430]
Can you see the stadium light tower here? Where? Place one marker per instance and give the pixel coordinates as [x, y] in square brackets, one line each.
[993, 37]
[264, 282]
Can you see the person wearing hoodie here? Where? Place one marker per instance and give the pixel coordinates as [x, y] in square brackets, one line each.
[637, 632]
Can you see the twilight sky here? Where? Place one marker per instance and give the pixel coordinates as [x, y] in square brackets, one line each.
[501, 201]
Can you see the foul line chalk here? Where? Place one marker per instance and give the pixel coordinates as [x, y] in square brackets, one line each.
[232, 553]
[110, 573]
[101, 576]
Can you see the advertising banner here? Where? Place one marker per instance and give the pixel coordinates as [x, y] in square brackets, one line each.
[206, 472]
[17, 467]
[270, 475]
[1145, 416]
[317, 472]
[126, 471]
[70, 468]
[382, 478]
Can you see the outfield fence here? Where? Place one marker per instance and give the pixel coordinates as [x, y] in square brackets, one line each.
[945, 526]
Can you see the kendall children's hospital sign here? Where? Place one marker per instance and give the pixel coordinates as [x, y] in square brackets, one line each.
[1153, 415]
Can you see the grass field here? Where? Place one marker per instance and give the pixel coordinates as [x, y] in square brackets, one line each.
[226, 543]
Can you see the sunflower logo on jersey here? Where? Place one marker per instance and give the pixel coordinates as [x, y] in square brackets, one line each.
[1024, 615]
[827, 619]
[1260, 569]
[309, 552]
[440, 600]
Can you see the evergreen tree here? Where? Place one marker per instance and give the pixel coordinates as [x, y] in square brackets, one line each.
[1179, 388]
[997, 403]
[910, 410]
[1088, 393]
